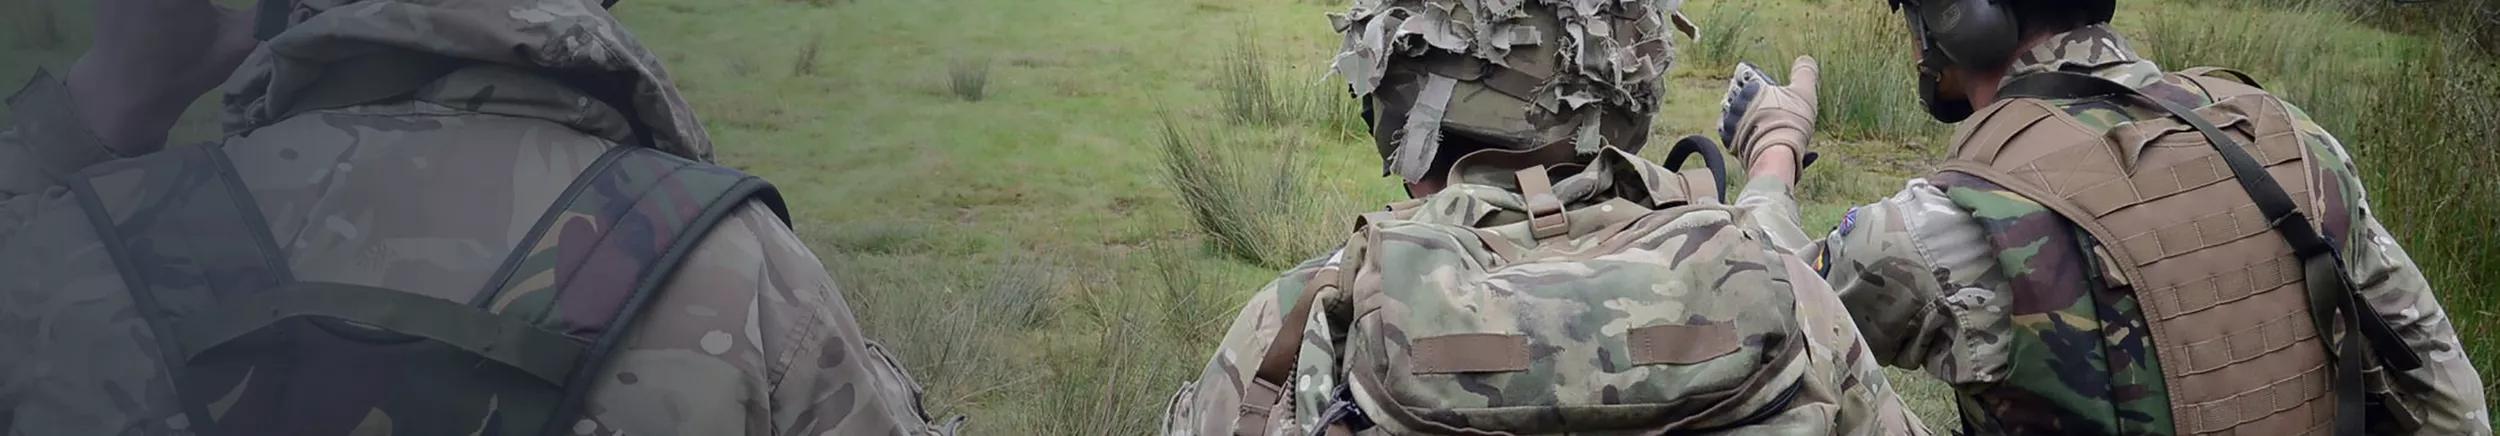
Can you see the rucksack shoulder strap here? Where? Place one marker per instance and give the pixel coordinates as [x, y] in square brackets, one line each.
[601, 252]
[185, 233]
[1276, 361]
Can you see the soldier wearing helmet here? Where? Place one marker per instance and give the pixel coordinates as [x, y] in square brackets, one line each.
[425, 218]
[1472, 105]
[2113, 248]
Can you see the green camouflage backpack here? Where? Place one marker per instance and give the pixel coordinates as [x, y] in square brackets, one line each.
[1623, 298]
[253, 351]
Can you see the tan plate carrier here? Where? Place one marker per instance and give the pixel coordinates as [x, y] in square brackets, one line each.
[2232, 313]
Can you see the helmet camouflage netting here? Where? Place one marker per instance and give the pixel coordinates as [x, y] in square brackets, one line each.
[1510, 74]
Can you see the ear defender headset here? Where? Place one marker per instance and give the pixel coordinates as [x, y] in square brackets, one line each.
[1957, 33]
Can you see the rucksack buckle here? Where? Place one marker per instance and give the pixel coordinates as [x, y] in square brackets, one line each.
[1545, 211]
[1342, 415]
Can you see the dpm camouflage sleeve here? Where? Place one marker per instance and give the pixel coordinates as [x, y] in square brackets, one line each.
[2446, 394]
[1917, 275]
[751, 338]
[1774, 209]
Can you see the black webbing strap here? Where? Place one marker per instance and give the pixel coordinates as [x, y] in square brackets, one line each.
[1697, 145]
[2330, 290]
[184, 233]
[507, 340]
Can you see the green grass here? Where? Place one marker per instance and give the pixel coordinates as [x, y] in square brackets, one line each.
[969, 79]
[37, 24]
[1730, 31]
[1035, 256]
[1869, 87]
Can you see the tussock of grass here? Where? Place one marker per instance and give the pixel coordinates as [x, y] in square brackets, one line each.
[1869, 88]
[1727, 35]
[2300, 52]
[1247, 192]
[1115, 378]
[805, 63]
[1256, 89]
[969, 79]
[1019, 296]
[1333, 109]
[38, 24]
[943, 321]
[1195, 308]
[2476, 24]
[1248, 86]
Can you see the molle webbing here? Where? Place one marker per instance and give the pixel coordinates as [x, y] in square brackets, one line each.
[2226, 305]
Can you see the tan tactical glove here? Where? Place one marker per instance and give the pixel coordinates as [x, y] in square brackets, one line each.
[1759, 114]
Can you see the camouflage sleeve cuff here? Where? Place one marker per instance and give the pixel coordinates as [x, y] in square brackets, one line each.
[1775, 211]
[49, 129]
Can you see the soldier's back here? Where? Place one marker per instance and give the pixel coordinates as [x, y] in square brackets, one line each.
[484, 249]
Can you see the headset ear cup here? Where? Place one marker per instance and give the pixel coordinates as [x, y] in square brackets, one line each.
[1975, 33]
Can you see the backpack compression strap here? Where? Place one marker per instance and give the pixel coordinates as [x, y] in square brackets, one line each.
[2330, 291]
[185, 233]
[1276, 361]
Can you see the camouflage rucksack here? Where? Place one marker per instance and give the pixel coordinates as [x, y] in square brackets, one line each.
[1622, 298]
[253, 351]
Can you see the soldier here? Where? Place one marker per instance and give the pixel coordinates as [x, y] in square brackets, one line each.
[1544, 279]
[427, 217]
[2112, 249]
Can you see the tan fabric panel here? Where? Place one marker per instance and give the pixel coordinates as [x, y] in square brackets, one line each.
[2179, 161]
[2174, 230]
[2071, 170]
[1677, 344]
[2224, 296]
[2239, 345]
[1973, 144]
[2227, 286]
[2296, 402]
[1699, 185]
[1470, 353]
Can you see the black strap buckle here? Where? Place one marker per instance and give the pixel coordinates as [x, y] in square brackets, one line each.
[1342, 410]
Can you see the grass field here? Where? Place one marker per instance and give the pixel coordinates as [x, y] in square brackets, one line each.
[1051, 208]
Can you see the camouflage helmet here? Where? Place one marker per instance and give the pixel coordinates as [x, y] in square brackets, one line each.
[1505, 74]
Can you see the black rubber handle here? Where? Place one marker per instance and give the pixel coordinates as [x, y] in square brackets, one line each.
[1711, 157]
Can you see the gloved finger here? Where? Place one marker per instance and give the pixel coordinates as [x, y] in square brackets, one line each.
[1803, 76]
